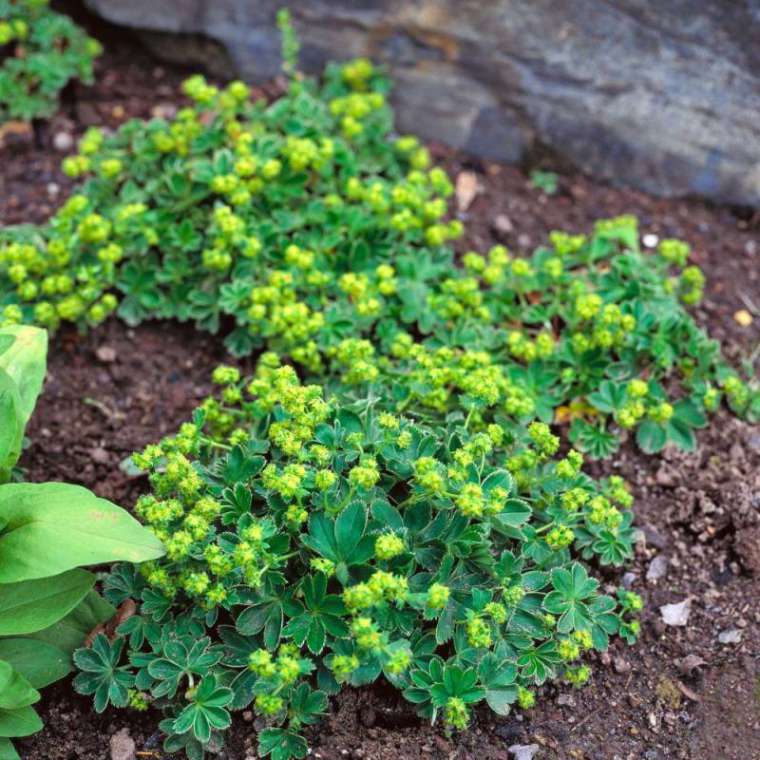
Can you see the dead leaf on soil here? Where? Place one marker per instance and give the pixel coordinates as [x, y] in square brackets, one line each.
[668, 693]
[575, 411]
[690, 663]
[687, 692]
[18, 129]
[127, 609]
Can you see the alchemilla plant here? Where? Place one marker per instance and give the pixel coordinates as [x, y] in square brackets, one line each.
[41, 52]
[385, 497]
[314, 542]
[304, 227]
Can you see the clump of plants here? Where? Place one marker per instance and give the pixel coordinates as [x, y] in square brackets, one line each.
[305, 227]
[385, 498]
[40, 52]
[314, 543]
[48, 532]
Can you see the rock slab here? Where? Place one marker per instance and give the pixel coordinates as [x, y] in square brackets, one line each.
[661, 96]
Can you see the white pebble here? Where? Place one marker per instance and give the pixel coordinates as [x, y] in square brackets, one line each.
[523, 751]
[658, 567]
[63, 141]
[730, 636]
[676, 614]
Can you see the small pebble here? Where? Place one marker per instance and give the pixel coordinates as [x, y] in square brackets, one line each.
[123, 746]
[730, 636]
[63, 142]
[164, 111]
[100, 455]
[657, 569]
[106, 354]
[743, 318]
[523, 751]
[650, 240]
[502, 223]
[676, 614]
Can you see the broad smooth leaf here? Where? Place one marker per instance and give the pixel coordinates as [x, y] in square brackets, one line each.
[53, 527]
[11, 425]
[25, 362]
[516, 512]
[30, 606]
[37, 661]
[15, 690]
[23, 721]
[321, 536]
[7, 750]
[70, 632]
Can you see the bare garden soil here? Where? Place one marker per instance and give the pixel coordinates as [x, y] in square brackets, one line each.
[681, 692]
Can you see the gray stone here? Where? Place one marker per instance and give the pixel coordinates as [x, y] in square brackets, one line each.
[676, 614]
[660, 96]
[658, 567]
[123, 746]
[730, 636]
[523, 751]
[63, 142]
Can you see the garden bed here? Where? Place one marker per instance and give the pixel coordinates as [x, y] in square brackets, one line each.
[678, 693]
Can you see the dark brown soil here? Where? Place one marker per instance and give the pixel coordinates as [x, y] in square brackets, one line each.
[679, 693]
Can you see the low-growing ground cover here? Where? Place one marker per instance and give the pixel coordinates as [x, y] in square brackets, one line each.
[42, 51]
[466, 740]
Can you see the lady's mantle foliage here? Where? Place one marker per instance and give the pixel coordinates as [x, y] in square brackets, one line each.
[402, 512]
[41, 52]
[313, 541]
[302, 227]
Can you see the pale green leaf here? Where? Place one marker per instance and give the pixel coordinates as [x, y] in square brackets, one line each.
[53, 527]
[39, 662]
[70, 632]
[34, 605]
[25, 362]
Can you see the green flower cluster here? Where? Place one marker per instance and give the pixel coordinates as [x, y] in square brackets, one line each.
[285, 210]
[331, 246]
[340, 539]
[42, 52]
[385, 495]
